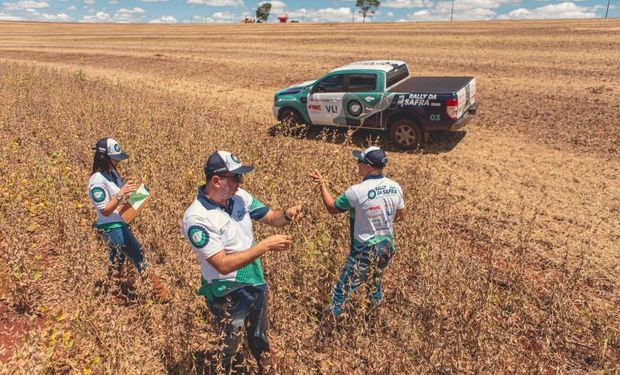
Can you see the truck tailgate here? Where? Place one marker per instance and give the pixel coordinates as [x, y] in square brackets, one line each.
[463, 88]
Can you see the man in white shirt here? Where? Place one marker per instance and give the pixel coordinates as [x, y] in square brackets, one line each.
[374, 205]
[218, 226]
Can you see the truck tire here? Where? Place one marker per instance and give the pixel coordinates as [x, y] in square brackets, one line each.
[406, 134]
[290, 117]
[291, 122]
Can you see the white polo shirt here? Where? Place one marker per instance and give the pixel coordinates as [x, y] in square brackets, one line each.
[211, 228]
[101, 188]
[373, 204]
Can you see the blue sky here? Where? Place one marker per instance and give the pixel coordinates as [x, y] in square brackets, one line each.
[232, 11]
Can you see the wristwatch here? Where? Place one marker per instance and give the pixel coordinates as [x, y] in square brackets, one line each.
[119, 197]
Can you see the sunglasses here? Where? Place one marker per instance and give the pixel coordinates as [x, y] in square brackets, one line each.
[234, 177]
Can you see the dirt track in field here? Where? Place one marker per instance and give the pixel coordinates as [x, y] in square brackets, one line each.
[546, 138]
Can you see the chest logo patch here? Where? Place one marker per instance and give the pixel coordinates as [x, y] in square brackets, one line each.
[372, 194]
[198, 236]
[98, 194]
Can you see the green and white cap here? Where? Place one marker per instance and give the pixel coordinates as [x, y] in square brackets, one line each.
[109, 146]
[225, 162]
[373, 155]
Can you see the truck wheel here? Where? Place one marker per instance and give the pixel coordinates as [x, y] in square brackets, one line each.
[291, 122]
[406, 134]
[289, 117]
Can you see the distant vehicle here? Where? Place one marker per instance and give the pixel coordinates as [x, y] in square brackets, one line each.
[380, 95]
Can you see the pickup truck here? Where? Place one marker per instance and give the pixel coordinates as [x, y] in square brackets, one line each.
[380, 95]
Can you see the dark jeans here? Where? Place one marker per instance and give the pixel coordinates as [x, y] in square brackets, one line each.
[243, 308]
[363, 265]
[123, 244]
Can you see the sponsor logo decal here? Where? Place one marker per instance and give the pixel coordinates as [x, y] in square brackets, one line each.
[355, 108]
[98, 194]
[198, 236]
[369, 99]
[331, 108]
[415, 100]
[235, 158]
[117, 147]
[314, 107]
[382, 190]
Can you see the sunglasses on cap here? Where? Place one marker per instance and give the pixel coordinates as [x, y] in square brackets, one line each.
[234, 177]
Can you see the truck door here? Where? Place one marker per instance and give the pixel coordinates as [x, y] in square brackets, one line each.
[325, 100]
[363, 101]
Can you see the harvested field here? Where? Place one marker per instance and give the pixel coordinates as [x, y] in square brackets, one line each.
[509, 260]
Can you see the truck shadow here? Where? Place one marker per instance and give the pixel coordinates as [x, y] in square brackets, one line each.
[437, 143]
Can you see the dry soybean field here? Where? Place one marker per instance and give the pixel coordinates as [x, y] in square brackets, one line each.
[507, 263]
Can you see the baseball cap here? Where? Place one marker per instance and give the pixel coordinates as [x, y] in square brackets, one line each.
[225, 162]
[110, 147]
[374, 156]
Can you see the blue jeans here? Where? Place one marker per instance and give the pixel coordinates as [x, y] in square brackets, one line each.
[123, 244]
[363, 265]
[242, 308]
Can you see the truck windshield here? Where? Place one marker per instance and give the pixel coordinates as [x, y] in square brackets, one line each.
[362, 82]
[396, 75]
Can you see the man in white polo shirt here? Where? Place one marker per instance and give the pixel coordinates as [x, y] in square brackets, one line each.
[218, 226]
[374, 205]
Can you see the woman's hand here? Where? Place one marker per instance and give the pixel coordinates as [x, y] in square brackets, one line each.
[127, 189]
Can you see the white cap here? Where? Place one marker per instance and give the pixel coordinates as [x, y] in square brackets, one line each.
[110, 147]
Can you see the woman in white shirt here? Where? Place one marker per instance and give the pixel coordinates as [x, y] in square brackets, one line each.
[108, 192]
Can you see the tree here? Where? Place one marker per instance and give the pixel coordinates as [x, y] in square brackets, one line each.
[262, 12]
[367, 6]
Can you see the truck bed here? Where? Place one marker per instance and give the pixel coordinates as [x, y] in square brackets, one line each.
[431, 85]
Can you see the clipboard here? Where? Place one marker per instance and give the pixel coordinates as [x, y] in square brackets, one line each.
[137, 200]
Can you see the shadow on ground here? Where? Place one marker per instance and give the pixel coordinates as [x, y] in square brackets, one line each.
[437, 143]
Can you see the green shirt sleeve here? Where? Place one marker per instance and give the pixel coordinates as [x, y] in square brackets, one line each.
[342, 203]
[257, 209]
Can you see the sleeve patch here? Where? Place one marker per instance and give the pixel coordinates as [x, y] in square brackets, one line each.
[342, 203]
[198, 236]
[98, 194]
[257, 209]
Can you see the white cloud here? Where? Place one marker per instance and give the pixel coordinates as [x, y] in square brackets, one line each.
[72, 8]
[217, 3]
[551, 11]
[89, 2]
[25, 4]
[9, 17]
[322, 15]
[390, 14]
[164, 19]
[154, 1]
[123, 15]
[98, 17]
[222, 17]
[399, 4]
[134, 10]
[59, 17]
[470, 10]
